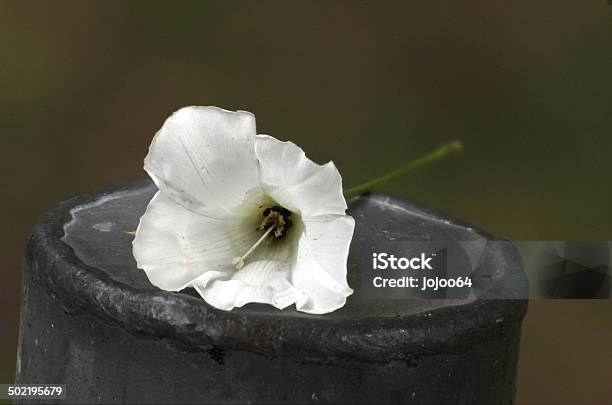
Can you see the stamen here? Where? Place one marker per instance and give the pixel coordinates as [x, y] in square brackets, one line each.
[238, 261]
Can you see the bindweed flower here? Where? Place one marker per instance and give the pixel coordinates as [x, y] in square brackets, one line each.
[242, 217]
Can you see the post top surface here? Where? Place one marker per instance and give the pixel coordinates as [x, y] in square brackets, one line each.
[82, 252]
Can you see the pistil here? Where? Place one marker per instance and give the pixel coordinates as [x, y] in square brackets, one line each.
[238, 261]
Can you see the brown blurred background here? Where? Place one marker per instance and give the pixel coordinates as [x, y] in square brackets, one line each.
[527, 86]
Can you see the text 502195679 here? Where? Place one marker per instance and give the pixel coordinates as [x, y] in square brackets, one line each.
[32, 391]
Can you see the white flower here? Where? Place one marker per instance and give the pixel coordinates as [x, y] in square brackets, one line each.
[242, 217]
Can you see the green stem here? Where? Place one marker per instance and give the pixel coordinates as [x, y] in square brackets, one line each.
[440, 153]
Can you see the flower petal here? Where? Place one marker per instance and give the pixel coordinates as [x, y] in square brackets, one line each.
[263, 280]
[296, 182]
[320, 270]
[203, 158]
[174, 245]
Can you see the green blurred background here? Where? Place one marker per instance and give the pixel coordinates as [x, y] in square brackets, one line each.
[527, 86]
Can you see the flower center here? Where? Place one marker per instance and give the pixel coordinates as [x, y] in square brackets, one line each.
[275, 223]
[278, 218]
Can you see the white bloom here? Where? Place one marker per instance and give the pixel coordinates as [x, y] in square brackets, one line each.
[242, 217]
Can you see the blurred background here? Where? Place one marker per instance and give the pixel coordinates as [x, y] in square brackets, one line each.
[527, 87]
